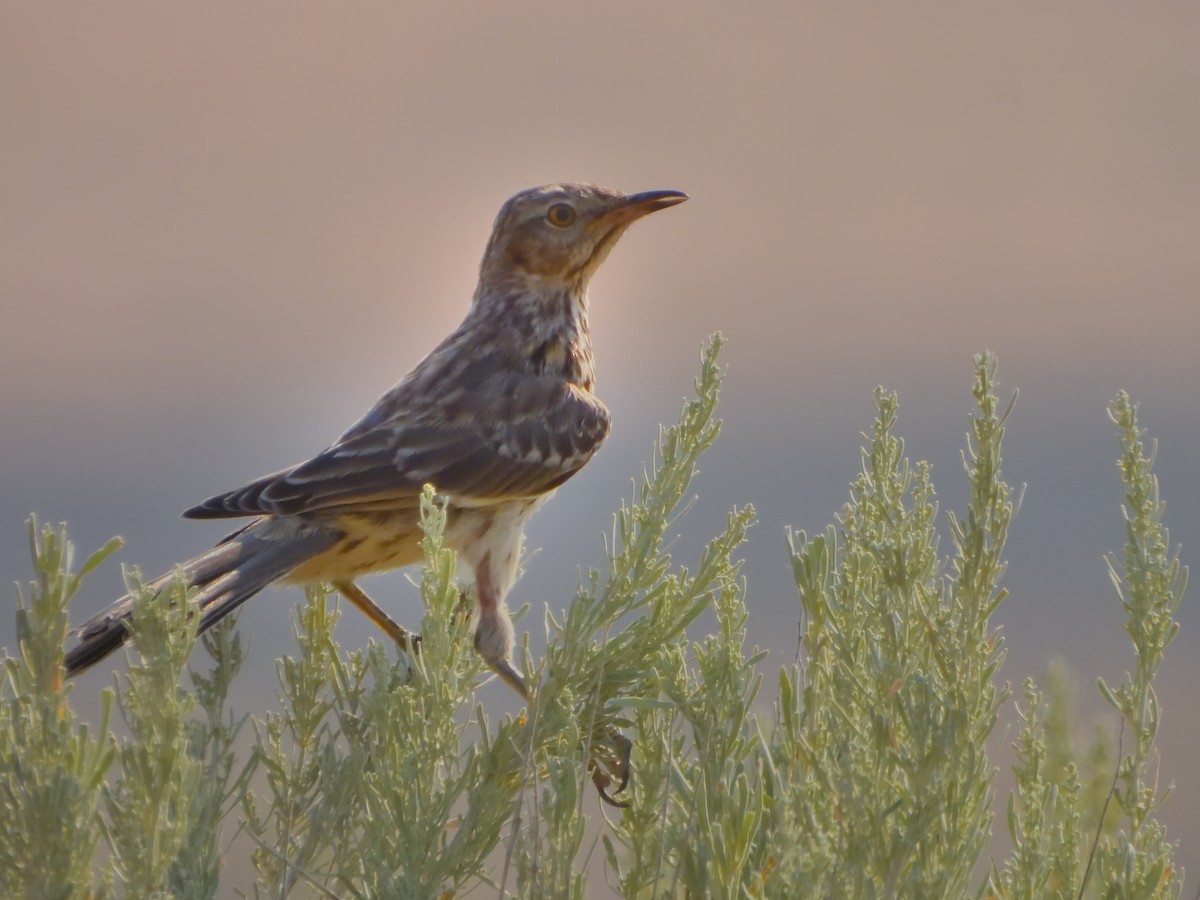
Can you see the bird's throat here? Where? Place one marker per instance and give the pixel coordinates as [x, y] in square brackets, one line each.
[559, 341]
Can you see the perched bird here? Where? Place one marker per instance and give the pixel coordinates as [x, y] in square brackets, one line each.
[499, 415]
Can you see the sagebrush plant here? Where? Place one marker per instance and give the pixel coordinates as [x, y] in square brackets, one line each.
[890, 711]
[52, 767]
[379, 775]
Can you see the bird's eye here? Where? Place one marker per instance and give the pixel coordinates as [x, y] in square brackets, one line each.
[561, 215]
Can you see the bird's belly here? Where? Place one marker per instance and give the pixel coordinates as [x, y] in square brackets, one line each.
[378, 541]
[369, 543]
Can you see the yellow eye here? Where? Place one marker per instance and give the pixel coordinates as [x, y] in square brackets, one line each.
[561, 215]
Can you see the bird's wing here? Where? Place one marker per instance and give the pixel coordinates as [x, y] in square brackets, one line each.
[520, 437]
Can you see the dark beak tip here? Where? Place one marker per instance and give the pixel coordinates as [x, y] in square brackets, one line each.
[655, 200]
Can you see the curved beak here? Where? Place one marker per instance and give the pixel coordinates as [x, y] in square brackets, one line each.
[635, 206]
[649, 201]
[652, 201]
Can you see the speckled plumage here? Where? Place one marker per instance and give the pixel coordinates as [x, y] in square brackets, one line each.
[499, 415]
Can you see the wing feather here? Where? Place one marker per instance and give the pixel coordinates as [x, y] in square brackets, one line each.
[520, 437]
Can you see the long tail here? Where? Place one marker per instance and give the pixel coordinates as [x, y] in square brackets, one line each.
[227, 575]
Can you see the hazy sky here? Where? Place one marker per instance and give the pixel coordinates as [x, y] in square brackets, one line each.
[225, 229]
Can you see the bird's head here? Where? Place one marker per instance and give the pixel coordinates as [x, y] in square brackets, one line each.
[555, 236]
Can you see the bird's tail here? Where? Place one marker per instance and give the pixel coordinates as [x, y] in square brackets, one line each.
[227, 576]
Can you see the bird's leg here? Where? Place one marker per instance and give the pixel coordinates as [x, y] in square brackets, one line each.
[610, 756]
[394, 630]
[494, 638]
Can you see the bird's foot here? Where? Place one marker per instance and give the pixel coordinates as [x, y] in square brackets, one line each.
[611, 763]
[494, 641]
[510, 676]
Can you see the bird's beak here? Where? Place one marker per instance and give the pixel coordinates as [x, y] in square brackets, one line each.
[651, 201]
[635, 206]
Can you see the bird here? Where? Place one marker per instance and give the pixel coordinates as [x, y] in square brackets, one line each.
[499, 415]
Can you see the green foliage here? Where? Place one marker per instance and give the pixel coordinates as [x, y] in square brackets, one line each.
[366, 770]
[380, 775]
[1068, 840]
[1043, 817]
[1137, 862]
[884, 778]
[52, 767]
[164, 806]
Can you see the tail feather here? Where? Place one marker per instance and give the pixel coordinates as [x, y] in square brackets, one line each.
[227, 576]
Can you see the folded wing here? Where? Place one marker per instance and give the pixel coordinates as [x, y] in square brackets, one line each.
[520, 437]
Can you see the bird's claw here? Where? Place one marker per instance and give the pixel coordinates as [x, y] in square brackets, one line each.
[612, 763]
[510, 676]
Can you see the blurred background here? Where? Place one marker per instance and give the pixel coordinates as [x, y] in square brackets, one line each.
[226, 229]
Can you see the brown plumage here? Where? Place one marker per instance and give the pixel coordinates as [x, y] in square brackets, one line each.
[499, 415]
